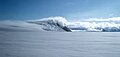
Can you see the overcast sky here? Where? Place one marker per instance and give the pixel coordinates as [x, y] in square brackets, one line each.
[71, 9]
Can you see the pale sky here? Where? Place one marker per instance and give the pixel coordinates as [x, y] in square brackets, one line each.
[70, 9]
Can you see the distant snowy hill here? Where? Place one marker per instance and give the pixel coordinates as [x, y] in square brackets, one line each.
[61, 24]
